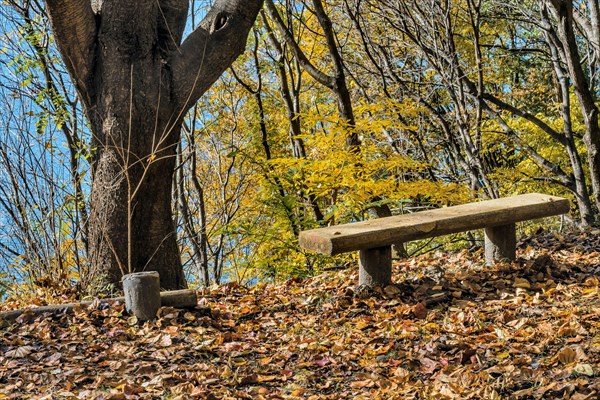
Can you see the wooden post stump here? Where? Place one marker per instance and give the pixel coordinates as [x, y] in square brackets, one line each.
[500, 243]
[375, 267]
[142, 294]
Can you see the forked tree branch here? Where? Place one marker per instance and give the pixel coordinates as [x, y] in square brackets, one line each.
[211, 48]
[74, 26]
[318, 75]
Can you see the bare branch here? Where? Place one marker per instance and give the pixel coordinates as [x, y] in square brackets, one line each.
[318, 75]
[527, 116]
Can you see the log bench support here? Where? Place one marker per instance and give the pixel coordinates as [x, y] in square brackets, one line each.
[375, 266]
[374, 238]
[500, 244]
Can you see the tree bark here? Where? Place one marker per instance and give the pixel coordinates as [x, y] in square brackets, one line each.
[375, 267]
[136, 128]
[137, 81]
[581, 191]
[563, 10]
[500, 243]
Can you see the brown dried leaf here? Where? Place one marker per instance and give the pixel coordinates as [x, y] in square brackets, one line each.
[20, 352]
[566, 356]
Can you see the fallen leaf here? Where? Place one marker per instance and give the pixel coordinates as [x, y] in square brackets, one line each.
[165, 341]
[420, 310]
[20, 352]
[522, 283]
[428, 365]
[584, 369]
[322, 361]
[567, 356]
[392, 291]
[189, 316]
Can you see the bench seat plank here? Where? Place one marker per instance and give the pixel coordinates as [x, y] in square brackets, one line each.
[382, 232]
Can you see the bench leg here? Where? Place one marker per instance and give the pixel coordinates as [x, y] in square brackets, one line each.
[500, 243]
[375, 267]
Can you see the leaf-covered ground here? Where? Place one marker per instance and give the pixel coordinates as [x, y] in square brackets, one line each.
[451, 329]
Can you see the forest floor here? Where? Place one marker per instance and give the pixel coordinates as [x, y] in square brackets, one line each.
[450, 329]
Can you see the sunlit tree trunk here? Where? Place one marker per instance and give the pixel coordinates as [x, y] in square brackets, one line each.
[563, 10]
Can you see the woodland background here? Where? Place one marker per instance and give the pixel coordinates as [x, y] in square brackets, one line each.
[338, 111]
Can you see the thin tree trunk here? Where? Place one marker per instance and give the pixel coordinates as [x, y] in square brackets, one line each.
[291, 99]
[194, 235]
[585, 97]
[581, 190]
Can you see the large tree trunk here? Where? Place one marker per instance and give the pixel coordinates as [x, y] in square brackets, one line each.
[135, 134]
[137, 81]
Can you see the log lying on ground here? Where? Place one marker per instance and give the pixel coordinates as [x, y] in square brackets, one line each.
[177, 299]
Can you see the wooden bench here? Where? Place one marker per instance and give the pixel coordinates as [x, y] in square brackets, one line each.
[373, 239]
